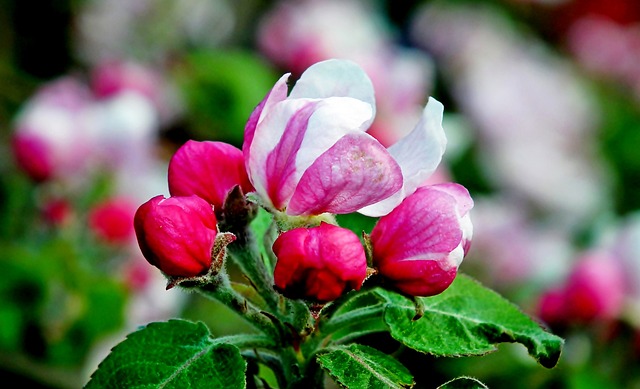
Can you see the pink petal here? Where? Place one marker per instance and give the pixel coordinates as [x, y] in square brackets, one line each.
[420, 278]
[207, 169]
[425, 226]
[460, 193]
[355, 172]
[293, 135]
[276, 94]
[280, 164]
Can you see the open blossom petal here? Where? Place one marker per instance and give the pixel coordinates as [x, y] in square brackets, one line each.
[276, 94]
[355, 172]
[310, 131]
[308, 153]
[418, 154]
[335, 78]
[285, 138]
[421, 243]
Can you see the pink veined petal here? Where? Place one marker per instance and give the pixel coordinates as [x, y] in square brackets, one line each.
[334, 118]
[418, 155]
[335, 78]
[286, 137]
[460, 193]
[356, 171]
[280, 164]
[425, 225]
[280, 119]
[275, 95]
[420, 278]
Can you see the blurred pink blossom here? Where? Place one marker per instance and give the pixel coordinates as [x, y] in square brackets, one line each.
[52, 134]
[535, 121]
[112, 220]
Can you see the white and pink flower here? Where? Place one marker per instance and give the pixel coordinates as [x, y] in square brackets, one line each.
[308, 152]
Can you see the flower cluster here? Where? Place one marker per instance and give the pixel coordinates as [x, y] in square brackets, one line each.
[307, 157]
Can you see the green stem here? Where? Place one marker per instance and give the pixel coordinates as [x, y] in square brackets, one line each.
[224, 293]
[351, 317]
[247, 256]
[272, 360]
[346, 326]
[247, 341]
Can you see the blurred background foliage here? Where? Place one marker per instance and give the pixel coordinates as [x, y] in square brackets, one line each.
[542, 113]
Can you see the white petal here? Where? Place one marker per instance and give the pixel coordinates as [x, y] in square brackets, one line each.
[334, 118]
[418, 154]
[339, 78]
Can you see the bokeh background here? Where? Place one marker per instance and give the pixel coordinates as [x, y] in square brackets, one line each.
[542, 114]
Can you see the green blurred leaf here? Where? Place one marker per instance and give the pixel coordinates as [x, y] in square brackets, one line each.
[356, 222]
[619, 136]
[172, 354]
[467, 319]
[12, 322]
[358, 366]
[463, 383]
[221, 89]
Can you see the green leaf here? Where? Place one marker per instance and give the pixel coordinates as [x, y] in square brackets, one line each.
[358, 366]
[467, 319]
[463, 383]
[172, 354]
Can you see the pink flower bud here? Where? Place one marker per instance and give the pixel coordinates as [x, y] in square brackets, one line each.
[208, 170]
[112, 220]
[177, 234]
[552, 305]
[419, 246]
[57, 212]
[113, 77]
[319, 263]
[33, 157]
[595, 289]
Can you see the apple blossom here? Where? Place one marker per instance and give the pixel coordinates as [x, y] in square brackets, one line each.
[308, 153]
[319, 263]
[57, 212]
[595, 288]
[419, 246]
[551, 306]
[528, 105]
[51, 130]
[207, 169]
[177, 234]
